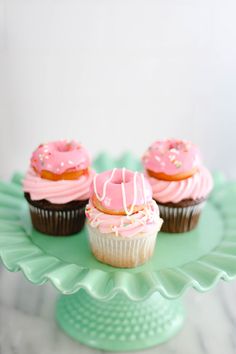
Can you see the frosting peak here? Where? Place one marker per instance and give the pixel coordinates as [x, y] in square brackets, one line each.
[196, 187]
[146, 220]
[58, 192]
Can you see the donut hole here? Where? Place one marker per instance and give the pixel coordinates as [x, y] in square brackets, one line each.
[117, 181]
[179, 145]
[118, 178]
[66, 146]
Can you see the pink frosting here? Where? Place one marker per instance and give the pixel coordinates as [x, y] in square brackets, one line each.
[171, 157]
[195, 187]
[58, 192]
[121, 189]
[60, 156]
[146, 220]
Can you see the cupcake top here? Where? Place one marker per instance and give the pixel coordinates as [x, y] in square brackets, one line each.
[59, 172]
[61, 159]
[172, 158]
[175, 171]
[120, 191]
[121, 202]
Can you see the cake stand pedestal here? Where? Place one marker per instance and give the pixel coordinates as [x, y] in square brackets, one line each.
[121, 309]
[119, 323]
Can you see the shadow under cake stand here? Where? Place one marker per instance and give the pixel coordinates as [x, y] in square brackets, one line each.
[121, 309]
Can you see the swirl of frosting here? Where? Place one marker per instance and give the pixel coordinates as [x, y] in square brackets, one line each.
[195, 187]
[120, 191]
[58, 192]
[145, 220]
[59, 157]
[172, 157]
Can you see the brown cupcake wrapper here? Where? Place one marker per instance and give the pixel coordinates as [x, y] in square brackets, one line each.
[180, 219]
[59, 222]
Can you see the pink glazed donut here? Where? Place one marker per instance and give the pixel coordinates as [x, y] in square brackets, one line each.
[120, 192]
[60, 160]
[172, 160]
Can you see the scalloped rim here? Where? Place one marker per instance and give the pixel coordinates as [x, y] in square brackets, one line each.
[18, 253]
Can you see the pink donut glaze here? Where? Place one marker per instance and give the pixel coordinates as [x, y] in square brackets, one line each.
[60, 156]
[121, 189]
[172, 157]
[58, 192]
[146, 220]
[196, 187]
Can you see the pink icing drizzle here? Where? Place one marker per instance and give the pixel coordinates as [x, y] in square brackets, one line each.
[58, 192]
[146, 220]
[195, 187]
[171, 157]
[120, 189]
[60, 156]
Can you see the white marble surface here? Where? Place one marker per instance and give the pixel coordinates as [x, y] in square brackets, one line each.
[27, 324]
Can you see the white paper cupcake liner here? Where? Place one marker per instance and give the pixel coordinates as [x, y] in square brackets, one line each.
[180, 219]
[123, 252]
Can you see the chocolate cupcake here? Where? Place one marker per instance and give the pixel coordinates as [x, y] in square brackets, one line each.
[180, 183]
[57, 187]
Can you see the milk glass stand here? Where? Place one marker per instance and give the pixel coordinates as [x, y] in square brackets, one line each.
[121, 309]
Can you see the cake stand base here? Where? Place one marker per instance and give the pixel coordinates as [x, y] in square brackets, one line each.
[119, 324]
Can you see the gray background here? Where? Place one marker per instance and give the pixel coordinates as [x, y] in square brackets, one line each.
[117, 75]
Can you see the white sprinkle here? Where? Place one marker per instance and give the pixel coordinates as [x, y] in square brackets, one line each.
[178, 164]
[175, 151]
[70, 162]
[115, 229]
[46, 150]
[62, 164]
[172, 157]
[157, 158]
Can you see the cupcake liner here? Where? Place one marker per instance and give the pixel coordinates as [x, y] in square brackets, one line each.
[122, 252]
[58, 222]
[180, 219]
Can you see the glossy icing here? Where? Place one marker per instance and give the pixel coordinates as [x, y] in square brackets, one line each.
[58, 192]
[59, 157]
[145, 220]
[172, 157]
[121, 190]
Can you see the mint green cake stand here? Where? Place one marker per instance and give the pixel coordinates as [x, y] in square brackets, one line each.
[121, 309]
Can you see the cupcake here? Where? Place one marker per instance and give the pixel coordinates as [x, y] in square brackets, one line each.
[180, 183]
[57, 187]
[122, 218]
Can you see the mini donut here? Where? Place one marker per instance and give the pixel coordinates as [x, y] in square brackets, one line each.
[120, 192]
[172, 160]
[176, 177]
[61, 160]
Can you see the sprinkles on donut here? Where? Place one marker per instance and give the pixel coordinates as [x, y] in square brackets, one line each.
[57, 187]
[180, 183]
[60, 160]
